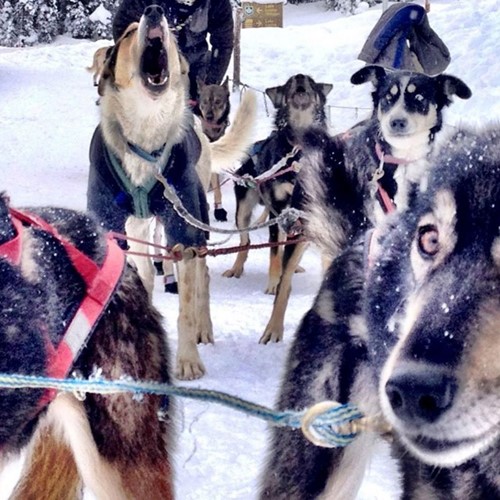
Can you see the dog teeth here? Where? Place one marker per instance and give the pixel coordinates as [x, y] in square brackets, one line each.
[156, 81]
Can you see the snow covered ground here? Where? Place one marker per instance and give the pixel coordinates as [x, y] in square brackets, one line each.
[47, 116]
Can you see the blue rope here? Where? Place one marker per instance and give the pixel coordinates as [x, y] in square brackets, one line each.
[327, 425]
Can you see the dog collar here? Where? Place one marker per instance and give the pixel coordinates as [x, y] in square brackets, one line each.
[100, 284]
[384, 158]
[152, 157]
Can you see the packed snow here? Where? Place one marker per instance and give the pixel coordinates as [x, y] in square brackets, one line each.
[47, 117]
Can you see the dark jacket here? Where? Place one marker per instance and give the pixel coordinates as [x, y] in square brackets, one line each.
[403, 39]
[194, 23]
[110, 200]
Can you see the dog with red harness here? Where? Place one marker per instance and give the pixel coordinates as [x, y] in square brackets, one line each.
[71, 306]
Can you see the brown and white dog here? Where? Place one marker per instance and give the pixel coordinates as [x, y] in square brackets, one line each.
[98, 63]
[147, 129]
[213, 108]
[71, 305]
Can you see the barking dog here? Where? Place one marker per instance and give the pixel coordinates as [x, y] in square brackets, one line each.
[300, 104]
[413, 337]
[146, 128]
[54, 267]
[213, 108]
[372, 169]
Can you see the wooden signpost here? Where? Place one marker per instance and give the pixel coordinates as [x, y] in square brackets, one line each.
[252, 15]
[262, 15]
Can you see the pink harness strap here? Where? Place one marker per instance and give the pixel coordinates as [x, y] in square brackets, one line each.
[100, 283]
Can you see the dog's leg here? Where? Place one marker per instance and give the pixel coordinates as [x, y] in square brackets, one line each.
[291, 258]
[275, 259]
[244, 208]
[219, 213]
[189, 365]
[202, 308]
[97, 473]
[49, 469]
[141, 230]
[158, 261]
[164, 267]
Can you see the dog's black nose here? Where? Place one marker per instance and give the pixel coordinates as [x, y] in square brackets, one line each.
[399, 124]
[421, 394]
[154, 13]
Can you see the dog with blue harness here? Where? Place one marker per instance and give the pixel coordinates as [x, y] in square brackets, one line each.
[148, 135]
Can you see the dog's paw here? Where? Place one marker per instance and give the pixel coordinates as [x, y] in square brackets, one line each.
[272, 287]
[234, 272]
[220, 215]
[172, 288]
[188, 369]
[271, 334]
[205, 336]
[159, 267]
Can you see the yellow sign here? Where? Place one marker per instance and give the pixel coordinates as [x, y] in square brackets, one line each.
[262, 15]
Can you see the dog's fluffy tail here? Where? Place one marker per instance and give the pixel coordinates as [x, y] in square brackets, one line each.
[319, 178]
[234, 144]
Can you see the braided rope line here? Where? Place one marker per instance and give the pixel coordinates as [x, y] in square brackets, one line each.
[285, 220]
[327, 424]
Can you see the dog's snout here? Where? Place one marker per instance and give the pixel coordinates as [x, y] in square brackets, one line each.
[300, 89]
[420, 395]
[154, 13]
[399, 124]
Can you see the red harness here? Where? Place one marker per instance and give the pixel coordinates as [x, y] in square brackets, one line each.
[101, 282]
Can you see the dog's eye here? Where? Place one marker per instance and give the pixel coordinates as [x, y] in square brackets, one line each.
[419, 97]
[428, 240]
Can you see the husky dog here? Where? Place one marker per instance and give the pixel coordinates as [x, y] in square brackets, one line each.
[300, 103]
[372, 169]
[147, 129]
[410, 333]
[213, 108]
[55, 266]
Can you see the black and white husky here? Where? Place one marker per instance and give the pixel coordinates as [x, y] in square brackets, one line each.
[414, 336]
[370, 170]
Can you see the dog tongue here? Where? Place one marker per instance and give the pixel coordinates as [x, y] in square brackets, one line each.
[156, 32]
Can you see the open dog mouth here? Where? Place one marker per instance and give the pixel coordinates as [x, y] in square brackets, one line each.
[154, 60]
[445, 453]
[301, 98]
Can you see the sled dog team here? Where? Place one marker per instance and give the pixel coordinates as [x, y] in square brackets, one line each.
[404, 325]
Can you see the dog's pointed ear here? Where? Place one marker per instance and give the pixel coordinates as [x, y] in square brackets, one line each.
[325, 88]
[200, 83]
[451, 85]
[371, 73]
[108, 70]
[276, 94]
[226, 83]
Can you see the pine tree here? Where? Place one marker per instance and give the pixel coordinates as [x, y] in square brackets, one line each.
[75, 21]
[344, 6]
[47, 21]
[8, 34]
